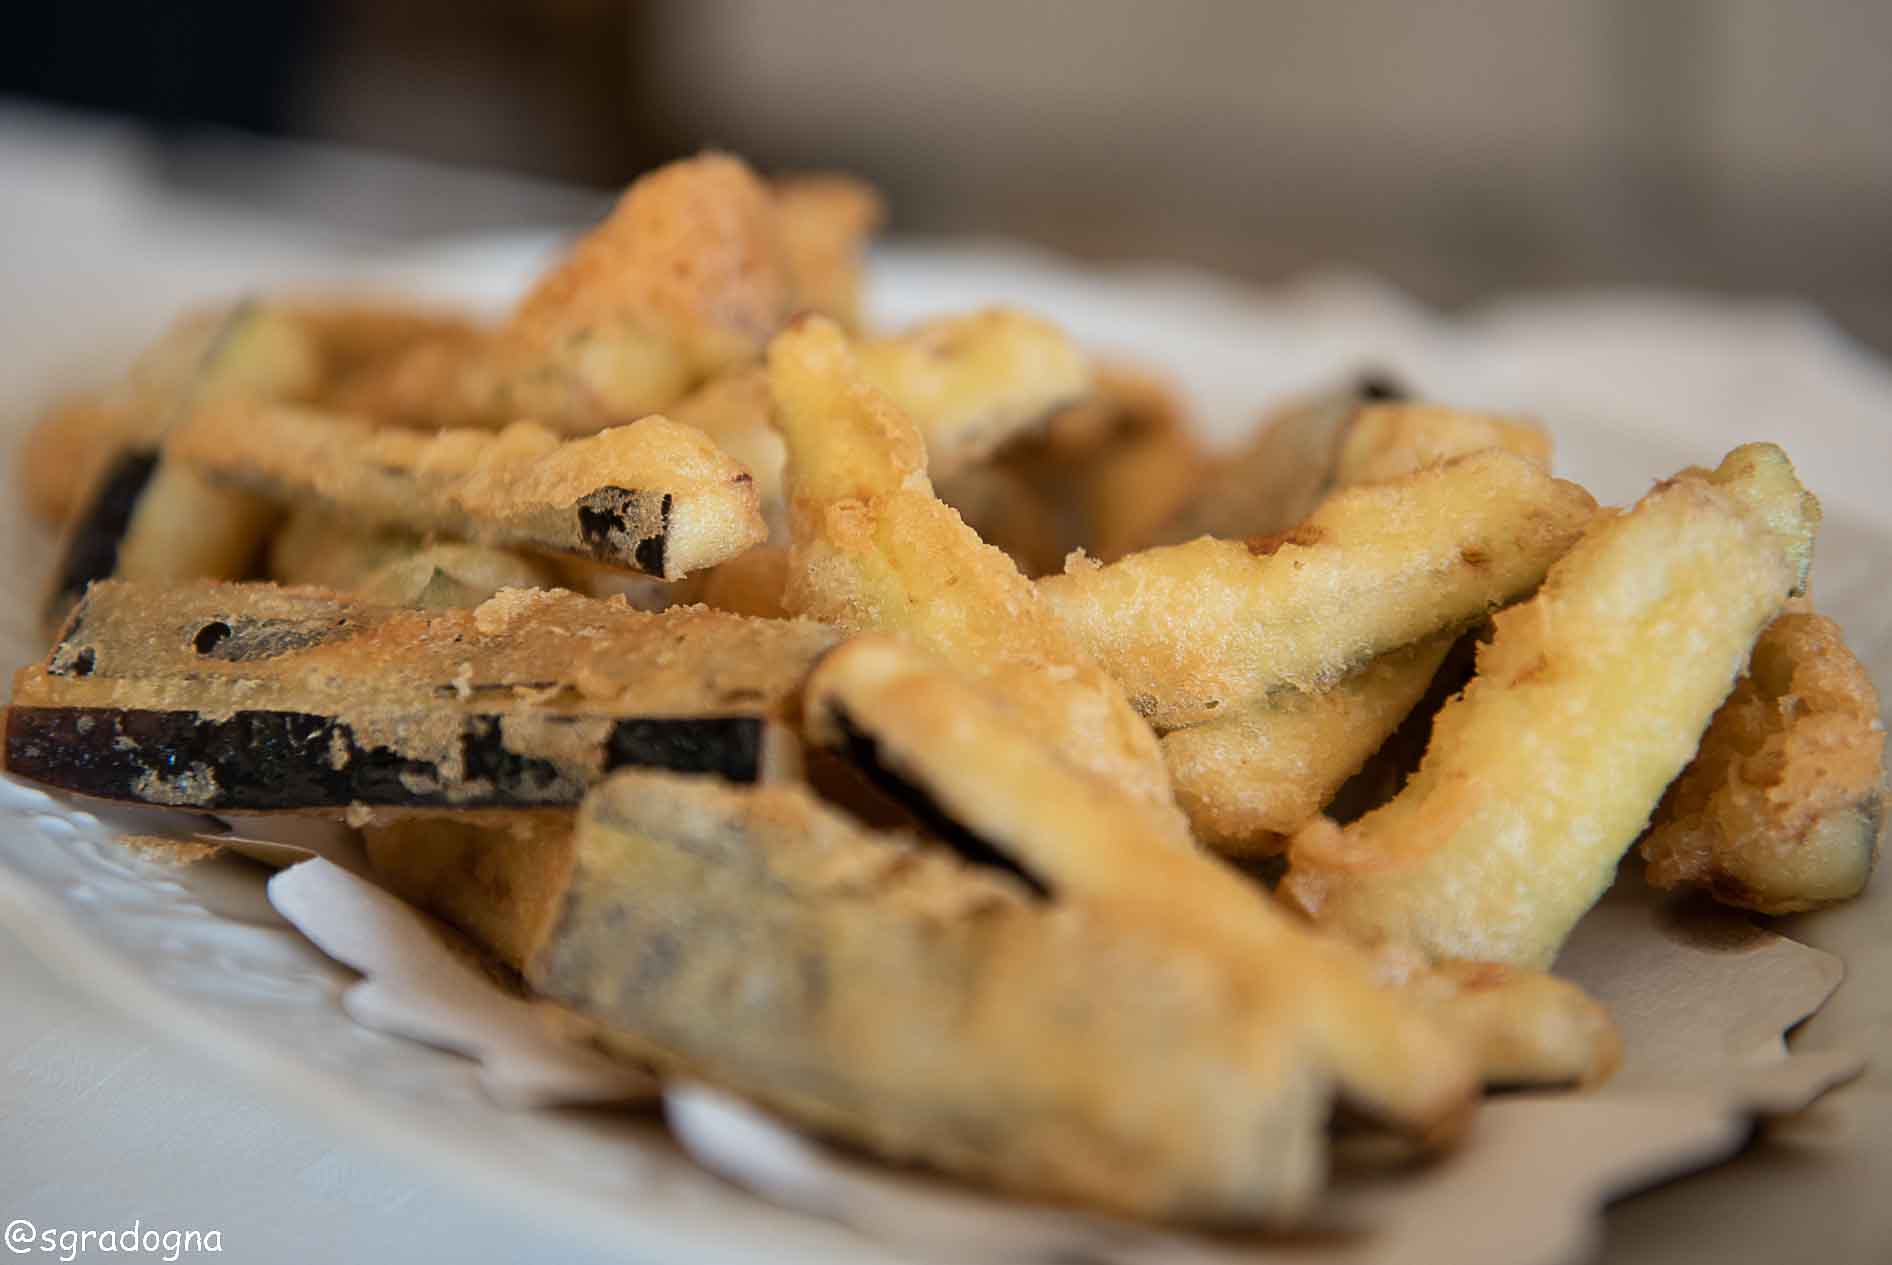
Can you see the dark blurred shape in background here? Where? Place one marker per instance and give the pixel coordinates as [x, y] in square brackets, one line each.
[1459, 150]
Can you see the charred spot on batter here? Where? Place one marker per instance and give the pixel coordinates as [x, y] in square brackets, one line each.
[1475, 556]
[1302, 534]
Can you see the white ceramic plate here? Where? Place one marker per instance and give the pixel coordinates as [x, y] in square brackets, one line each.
[1632, 388]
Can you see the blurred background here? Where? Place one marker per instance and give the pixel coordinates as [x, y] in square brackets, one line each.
[1460, 150]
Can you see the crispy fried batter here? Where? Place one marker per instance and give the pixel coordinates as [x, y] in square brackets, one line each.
[254, 698]
[1783, 806]
[734, 410]
[954, 752]
[1528, 1028]
[249, 349]
[1149, 1036]
[967, 383]
[874, 549]
[1275, 480]
[157, 521]
[956, 748]
[887, 994]
[752, 583]
[685, 280]
[353, 333]
[1588, 701]
[1110, 467]
[972, 382]
[1333, 440]
[499, 878]
[1385, 441]
[825, 221]
[653, 496]
[1008, 513]
[1190, 629]
[1252, 777]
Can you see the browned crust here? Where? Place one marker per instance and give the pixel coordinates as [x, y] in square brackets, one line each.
[1784, 804]
[654, 496]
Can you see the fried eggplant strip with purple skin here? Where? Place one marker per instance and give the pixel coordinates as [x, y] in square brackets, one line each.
[1104, 471]
[686, 279]
[972, 382]
[389, 567]
[1363, 433]
[875, 550]
[1250, 779]
[250, 348]
[1188, 630]
[967, 382]
[996, 1017]
[1258, 772]
[951, 751]
[147, 519]
[655, 496]
[254, 698]
[1588, 701]
[882, 991]
[1783, 807]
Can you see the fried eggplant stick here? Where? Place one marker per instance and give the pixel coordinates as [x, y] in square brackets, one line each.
[875, 550]
[954, 755]
[997, 1018]
[1783, 807]
[147, 519]
[655, 496]
[968, 382]
[252, 698]
[1588, 701]
[686, 279]
[1190, 629]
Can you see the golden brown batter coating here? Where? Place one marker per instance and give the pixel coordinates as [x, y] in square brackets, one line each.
[824, 221]
[654, 496]
[1008, 513]
[875, 550]
[1783, 807]
[753, 583]
[1587, 702]
[497, 877]
[1250, 778]
[1191, 629]
[251, 697]
[972, 382]
[251, 349]
[1080, 1049]
[967, 382]
[1527, 1028]
[1336, 439]
[684, 280]
[1385, 441]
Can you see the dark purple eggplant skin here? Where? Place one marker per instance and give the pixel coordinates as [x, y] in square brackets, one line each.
[863, 751]
[91, 551]
[603, 520]
[282, 761]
